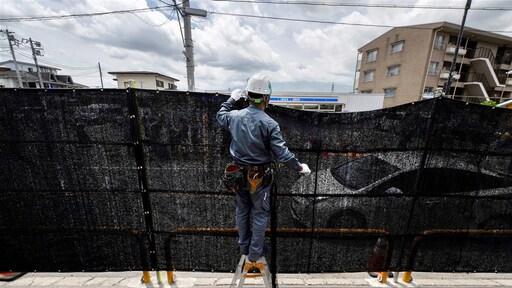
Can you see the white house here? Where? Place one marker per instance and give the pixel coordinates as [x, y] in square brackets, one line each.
[29, 77]
[144, 80]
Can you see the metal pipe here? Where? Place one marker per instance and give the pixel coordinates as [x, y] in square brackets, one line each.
[449, 232]
[459, 39]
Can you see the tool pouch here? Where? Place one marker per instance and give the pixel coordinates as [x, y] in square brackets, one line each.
[255, 176]
[233, 177]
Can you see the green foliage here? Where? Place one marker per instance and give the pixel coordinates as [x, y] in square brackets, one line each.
[489, 103]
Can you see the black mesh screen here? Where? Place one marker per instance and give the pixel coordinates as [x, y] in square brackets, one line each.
[97, 180]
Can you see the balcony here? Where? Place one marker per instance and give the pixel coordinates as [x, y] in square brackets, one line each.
[445, 75]
[451, 50]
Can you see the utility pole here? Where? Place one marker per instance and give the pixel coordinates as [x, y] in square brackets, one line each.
[101, 75]
[189, 49]
[34, 53]
[11, 39]
[459, 39]
[189, 44]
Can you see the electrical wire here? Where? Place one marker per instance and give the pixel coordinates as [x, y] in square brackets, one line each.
[334, 22]
[69, 16]
[309, 21]
[400, 6]
[167, 20]
[88, 73]
[50, 63]
[179, 21]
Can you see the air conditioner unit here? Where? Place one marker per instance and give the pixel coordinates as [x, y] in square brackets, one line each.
[446, 74]
[451, 50]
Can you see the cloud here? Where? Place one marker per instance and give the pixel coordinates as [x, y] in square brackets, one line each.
[228, 49]
[231, 45]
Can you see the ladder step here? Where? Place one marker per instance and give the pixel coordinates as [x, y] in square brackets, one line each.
[243, 268]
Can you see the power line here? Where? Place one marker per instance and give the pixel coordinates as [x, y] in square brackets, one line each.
[400, 6]
[58, 65]
[330, 22]
[69, 16]
[168, 18]
[87, 73]
[309, 21]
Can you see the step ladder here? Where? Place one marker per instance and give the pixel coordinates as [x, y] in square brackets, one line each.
[243, 268]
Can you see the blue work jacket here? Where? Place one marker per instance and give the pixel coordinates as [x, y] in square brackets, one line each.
[256, 138]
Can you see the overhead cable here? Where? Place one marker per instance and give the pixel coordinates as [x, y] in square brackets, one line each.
[332, 22]
[306, 20]
[401, 6]
[69, 16]
[59, 65]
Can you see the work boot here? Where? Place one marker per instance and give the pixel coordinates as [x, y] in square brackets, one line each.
[254, 259]
[376, 274]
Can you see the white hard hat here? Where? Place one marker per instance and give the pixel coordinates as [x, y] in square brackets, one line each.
[258, 84]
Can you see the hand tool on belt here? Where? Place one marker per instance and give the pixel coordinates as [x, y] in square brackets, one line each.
[236, 175]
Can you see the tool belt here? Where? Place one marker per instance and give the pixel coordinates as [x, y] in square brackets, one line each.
[258, 174]
[235, 176]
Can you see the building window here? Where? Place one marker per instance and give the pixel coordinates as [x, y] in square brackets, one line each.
[371, 55]
[30, 69]
[432, 68]
[159, 83]
[130, 84]
[439, 42]
[428, 91]
[366, 91]
[393, 70]
[389, 92]
[368, 75]
[397, 47]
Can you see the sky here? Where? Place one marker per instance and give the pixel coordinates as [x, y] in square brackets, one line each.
[236, 39]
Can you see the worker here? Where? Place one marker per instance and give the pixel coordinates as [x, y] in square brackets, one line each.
[256, 143]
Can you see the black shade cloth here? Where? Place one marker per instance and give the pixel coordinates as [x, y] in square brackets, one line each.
[111, 180]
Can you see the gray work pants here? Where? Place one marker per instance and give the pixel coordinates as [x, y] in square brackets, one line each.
[252, 241]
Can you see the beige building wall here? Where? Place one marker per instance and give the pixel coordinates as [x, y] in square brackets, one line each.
[421, 47]
[412, 60]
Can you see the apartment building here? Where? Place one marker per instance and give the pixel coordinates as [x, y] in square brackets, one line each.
[411, 63]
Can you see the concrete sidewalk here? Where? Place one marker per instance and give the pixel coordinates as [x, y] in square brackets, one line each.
[205, 279]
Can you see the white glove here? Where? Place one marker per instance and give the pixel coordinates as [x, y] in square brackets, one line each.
[236, 94]
[305, 169]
